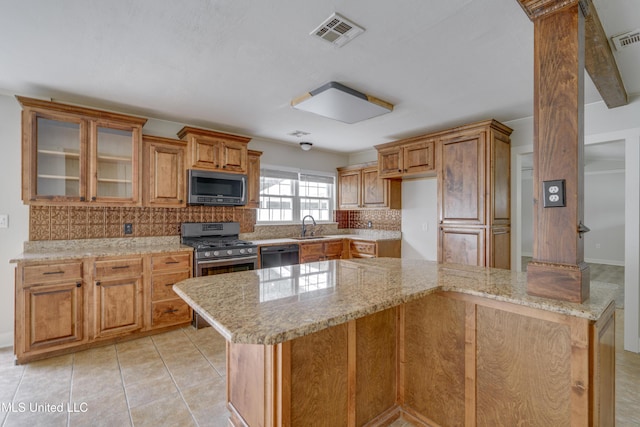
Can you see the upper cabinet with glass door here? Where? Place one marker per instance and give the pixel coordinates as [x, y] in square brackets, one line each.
[75, 155]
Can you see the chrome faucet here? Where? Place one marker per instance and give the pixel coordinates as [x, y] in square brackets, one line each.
[304, 227]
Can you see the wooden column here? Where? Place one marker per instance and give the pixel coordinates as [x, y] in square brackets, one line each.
[558, 269]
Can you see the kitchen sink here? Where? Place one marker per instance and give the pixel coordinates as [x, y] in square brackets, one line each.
[309, 237]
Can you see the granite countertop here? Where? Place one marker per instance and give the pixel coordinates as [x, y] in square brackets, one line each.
[324, 238]
[77, 249]
[274, 305]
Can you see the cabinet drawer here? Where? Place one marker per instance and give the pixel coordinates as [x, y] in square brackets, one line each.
[333, 249]
[161, 285]
[130, 267]
[48, 273]
[170, 312]
[363, 248]
[171, 262]
[311, 249]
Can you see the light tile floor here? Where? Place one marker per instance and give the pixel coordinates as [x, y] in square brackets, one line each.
[173, 379]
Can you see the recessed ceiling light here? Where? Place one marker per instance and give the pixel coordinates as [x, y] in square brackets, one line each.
[339, 102]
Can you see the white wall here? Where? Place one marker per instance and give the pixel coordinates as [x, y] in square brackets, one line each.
[12, 238]
[420, 219]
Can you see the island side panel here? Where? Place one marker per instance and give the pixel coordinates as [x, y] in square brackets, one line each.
[247, 385]
[434, 360]
[376, 365]
[602, 368]
[524, 370]
[318, 378]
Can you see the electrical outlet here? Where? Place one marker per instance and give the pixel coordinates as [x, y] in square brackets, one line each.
[369, 224]
[554, 193]
[4, 221]
[128, 228]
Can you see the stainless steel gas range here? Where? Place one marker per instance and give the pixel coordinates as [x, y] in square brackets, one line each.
[218, 250]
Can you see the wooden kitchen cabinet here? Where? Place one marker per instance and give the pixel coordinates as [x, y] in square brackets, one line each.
[253, 179]
[360, 186]
[117, 304]
[74, 155]
[50, 308]
[215, 151]
[373, 249]
[321, 251]
[167, 308]
[407, 158]
[474, 195]
[164, 173]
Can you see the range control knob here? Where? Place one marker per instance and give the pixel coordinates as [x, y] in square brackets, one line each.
[242, 251]
[250, 250]
[216, 253]
[229, 252]
[207, 254]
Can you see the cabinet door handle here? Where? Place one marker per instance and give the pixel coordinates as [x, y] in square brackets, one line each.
[93, 199]
[98, 283]
[169, 284]
[119, 267]
[399, 170]
[79, 285]
[172, 262]
[406, 170]
[53, 272]
[82, 199]
[171, 311]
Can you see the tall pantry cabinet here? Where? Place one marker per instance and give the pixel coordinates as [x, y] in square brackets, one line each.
[474, 195]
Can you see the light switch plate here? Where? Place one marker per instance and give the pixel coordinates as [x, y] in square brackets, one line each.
[4, 221]
[554, 194]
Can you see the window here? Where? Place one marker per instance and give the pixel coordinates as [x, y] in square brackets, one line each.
[289, 196]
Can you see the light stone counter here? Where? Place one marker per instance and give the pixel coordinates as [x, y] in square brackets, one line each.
[371, 237]
[270, 306]
[85, 248]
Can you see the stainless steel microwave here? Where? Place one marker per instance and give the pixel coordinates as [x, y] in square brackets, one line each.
[216, 188]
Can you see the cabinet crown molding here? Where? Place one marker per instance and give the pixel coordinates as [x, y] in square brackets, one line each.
[74, 109]
[188, 130]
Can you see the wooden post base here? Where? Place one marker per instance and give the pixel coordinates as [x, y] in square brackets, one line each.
[558, 281]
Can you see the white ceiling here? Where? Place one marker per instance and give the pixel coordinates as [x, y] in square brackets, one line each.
[236, 65]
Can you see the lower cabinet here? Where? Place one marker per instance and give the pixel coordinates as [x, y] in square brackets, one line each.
[167, 308]
[321, 251]
[51, 302]
[64, 306]
[117, 296]
[373, 249]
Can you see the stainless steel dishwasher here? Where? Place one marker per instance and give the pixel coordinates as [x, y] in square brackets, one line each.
[279, 255]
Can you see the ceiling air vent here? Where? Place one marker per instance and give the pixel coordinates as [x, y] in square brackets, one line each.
[626, 39]
[337, 30]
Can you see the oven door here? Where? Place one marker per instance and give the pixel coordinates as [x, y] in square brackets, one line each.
[221, 266]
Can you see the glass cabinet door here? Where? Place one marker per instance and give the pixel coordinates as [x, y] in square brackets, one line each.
[115, 160]
[59, 162]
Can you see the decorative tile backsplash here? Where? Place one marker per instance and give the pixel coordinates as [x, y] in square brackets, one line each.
[381, 219]
[79, 222]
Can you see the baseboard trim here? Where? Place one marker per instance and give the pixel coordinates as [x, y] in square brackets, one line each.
[6, 339]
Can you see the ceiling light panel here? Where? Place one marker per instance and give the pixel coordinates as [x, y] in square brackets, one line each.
[339, 102]
[337, 30]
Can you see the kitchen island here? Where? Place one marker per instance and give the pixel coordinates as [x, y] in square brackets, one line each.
[363, 342]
